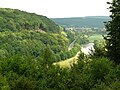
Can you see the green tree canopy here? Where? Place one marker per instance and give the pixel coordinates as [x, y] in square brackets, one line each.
[113, 28]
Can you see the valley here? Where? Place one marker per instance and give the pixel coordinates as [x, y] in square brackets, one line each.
[40, 53]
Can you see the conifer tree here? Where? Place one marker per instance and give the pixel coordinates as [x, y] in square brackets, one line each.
[113, 28]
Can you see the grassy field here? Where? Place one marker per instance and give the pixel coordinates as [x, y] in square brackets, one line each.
[95, 37]
[67, 63]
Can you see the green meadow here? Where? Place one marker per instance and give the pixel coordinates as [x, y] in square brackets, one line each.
[95, 37]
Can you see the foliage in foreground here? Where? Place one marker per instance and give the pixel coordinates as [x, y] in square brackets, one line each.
[113, 28]
[23, 73]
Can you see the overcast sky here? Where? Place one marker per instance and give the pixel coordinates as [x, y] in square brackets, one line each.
[60, 8]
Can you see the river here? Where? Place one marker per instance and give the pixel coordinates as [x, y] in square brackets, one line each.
[87, 48]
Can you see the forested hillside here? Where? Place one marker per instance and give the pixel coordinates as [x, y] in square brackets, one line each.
[16, 20]
[28, 34]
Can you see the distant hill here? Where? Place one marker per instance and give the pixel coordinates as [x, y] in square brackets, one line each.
[89, 21]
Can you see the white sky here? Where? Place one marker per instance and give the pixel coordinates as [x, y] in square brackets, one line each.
[60, 8]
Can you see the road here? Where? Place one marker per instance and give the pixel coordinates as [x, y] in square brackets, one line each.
[72, 44]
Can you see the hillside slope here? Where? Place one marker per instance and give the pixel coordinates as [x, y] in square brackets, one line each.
[28, 34]
[16, 20]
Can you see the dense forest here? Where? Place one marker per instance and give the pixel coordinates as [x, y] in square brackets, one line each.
[30, 34]
[31, 43]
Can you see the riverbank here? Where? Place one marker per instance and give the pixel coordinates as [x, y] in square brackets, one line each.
[86, 49]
